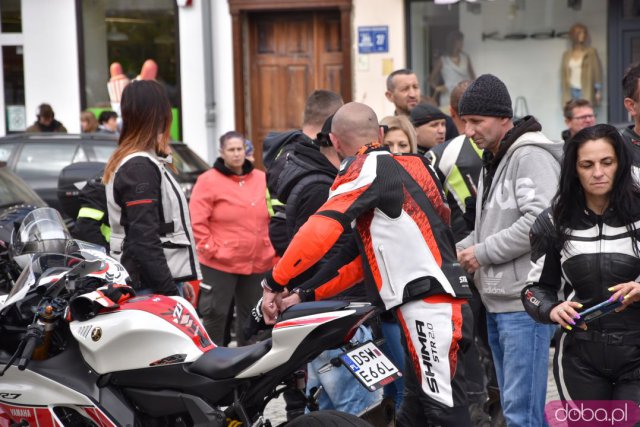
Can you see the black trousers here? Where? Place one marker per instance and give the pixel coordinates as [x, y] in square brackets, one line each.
[215, 303]
[603, 368]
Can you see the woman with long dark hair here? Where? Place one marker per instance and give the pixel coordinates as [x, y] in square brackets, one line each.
[588, 240]
[148, 212]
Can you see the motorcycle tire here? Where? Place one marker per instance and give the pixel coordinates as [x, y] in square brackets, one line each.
[328, 419]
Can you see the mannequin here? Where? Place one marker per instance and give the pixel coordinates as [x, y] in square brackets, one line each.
[450, 69]
[581, 68]
[116, 84]
[149, 70]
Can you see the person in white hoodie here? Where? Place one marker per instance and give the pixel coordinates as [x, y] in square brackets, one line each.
[518, 180]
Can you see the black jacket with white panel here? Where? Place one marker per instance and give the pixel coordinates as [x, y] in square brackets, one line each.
[599, 253]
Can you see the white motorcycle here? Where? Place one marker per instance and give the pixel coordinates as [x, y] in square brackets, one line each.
[72, 356]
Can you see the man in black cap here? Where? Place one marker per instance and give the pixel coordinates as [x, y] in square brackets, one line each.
[277, 146]
[519, 178]
[46, 121]
[430, 125]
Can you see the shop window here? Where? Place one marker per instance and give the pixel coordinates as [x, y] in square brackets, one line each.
[11, 15]
[631, 12]
[14, 99]
[431, 25]
[525, 43]
[631, 9]
[129, 33]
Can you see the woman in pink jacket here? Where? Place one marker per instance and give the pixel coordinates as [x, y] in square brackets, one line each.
[230, 222]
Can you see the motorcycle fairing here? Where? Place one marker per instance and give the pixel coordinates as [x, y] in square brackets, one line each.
[286, 338]
[43, 416]
[175, 311]
[66, 378]
[26, 395]
[33, 415]
[127, 339]
[311, 320]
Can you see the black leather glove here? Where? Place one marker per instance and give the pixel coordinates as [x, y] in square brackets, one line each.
[255, 322]
[118, 293]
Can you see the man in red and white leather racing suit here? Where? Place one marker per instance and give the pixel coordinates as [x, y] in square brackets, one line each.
[406, 256]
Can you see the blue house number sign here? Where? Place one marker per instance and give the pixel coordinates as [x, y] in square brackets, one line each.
[373, 39]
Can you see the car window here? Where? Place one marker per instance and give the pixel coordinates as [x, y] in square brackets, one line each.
[186, 161]
[47, 159]
[14, 191]
[103, 152]
[5, 151]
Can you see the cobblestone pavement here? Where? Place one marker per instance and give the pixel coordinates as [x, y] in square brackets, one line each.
[276, 413]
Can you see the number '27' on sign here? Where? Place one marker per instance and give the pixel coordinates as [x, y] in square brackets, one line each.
[370, 366]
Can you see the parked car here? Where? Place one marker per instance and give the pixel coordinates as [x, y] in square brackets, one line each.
[39, 158]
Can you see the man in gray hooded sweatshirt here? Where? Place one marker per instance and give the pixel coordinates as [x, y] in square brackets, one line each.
[519, 178]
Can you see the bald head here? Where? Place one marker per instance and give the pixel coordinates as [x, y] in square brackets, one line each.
[354, 125]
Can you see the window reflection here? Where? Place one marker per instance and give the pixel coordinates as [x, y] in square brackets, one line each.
[11, 15]
[14, 94]
[431, 26]
[30, 164]
[128, 32]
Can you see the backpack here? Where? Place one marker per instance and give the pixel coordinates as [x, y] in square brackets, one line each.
[276, 148]
[274, 143]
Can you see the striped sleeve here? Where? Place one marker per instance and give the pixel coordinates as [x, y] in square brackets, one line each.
[351, 194]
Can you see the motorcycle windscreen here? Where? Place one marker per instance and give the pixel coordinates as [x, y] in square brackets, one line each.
[42, 231]
[43, 270]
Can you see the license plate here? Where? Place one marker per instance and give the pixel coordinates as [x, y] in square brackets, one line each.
[370, 366]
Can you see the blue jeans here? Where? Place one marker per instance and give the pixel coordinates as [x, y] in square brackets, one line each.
[341, 391]
[520, 348]
[393, 349]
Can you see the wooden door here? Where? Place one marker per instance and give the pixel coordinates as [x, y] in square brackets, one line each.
[291, 54]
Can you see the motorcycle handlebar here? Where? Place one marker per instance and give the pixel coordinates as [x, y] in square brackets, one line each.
[34, 336]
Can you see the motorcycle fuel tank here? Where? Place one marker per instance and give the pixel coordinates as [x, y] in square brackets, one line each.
[142, 332]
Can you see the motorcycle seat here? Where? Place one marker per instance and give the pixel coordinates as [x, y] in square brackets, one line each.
[226, 362]
[309, 308]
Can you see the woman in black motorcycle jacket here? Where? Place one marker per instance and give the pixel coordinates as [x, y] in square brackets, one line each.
[148, 213]
[588, 239]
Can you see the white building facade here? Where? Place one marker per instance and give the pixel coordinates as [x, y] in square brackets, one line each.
[62, 49]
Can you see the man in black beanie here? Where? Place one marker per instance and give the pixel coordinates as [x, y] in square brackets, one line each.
[519, 178]
[430, 126]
